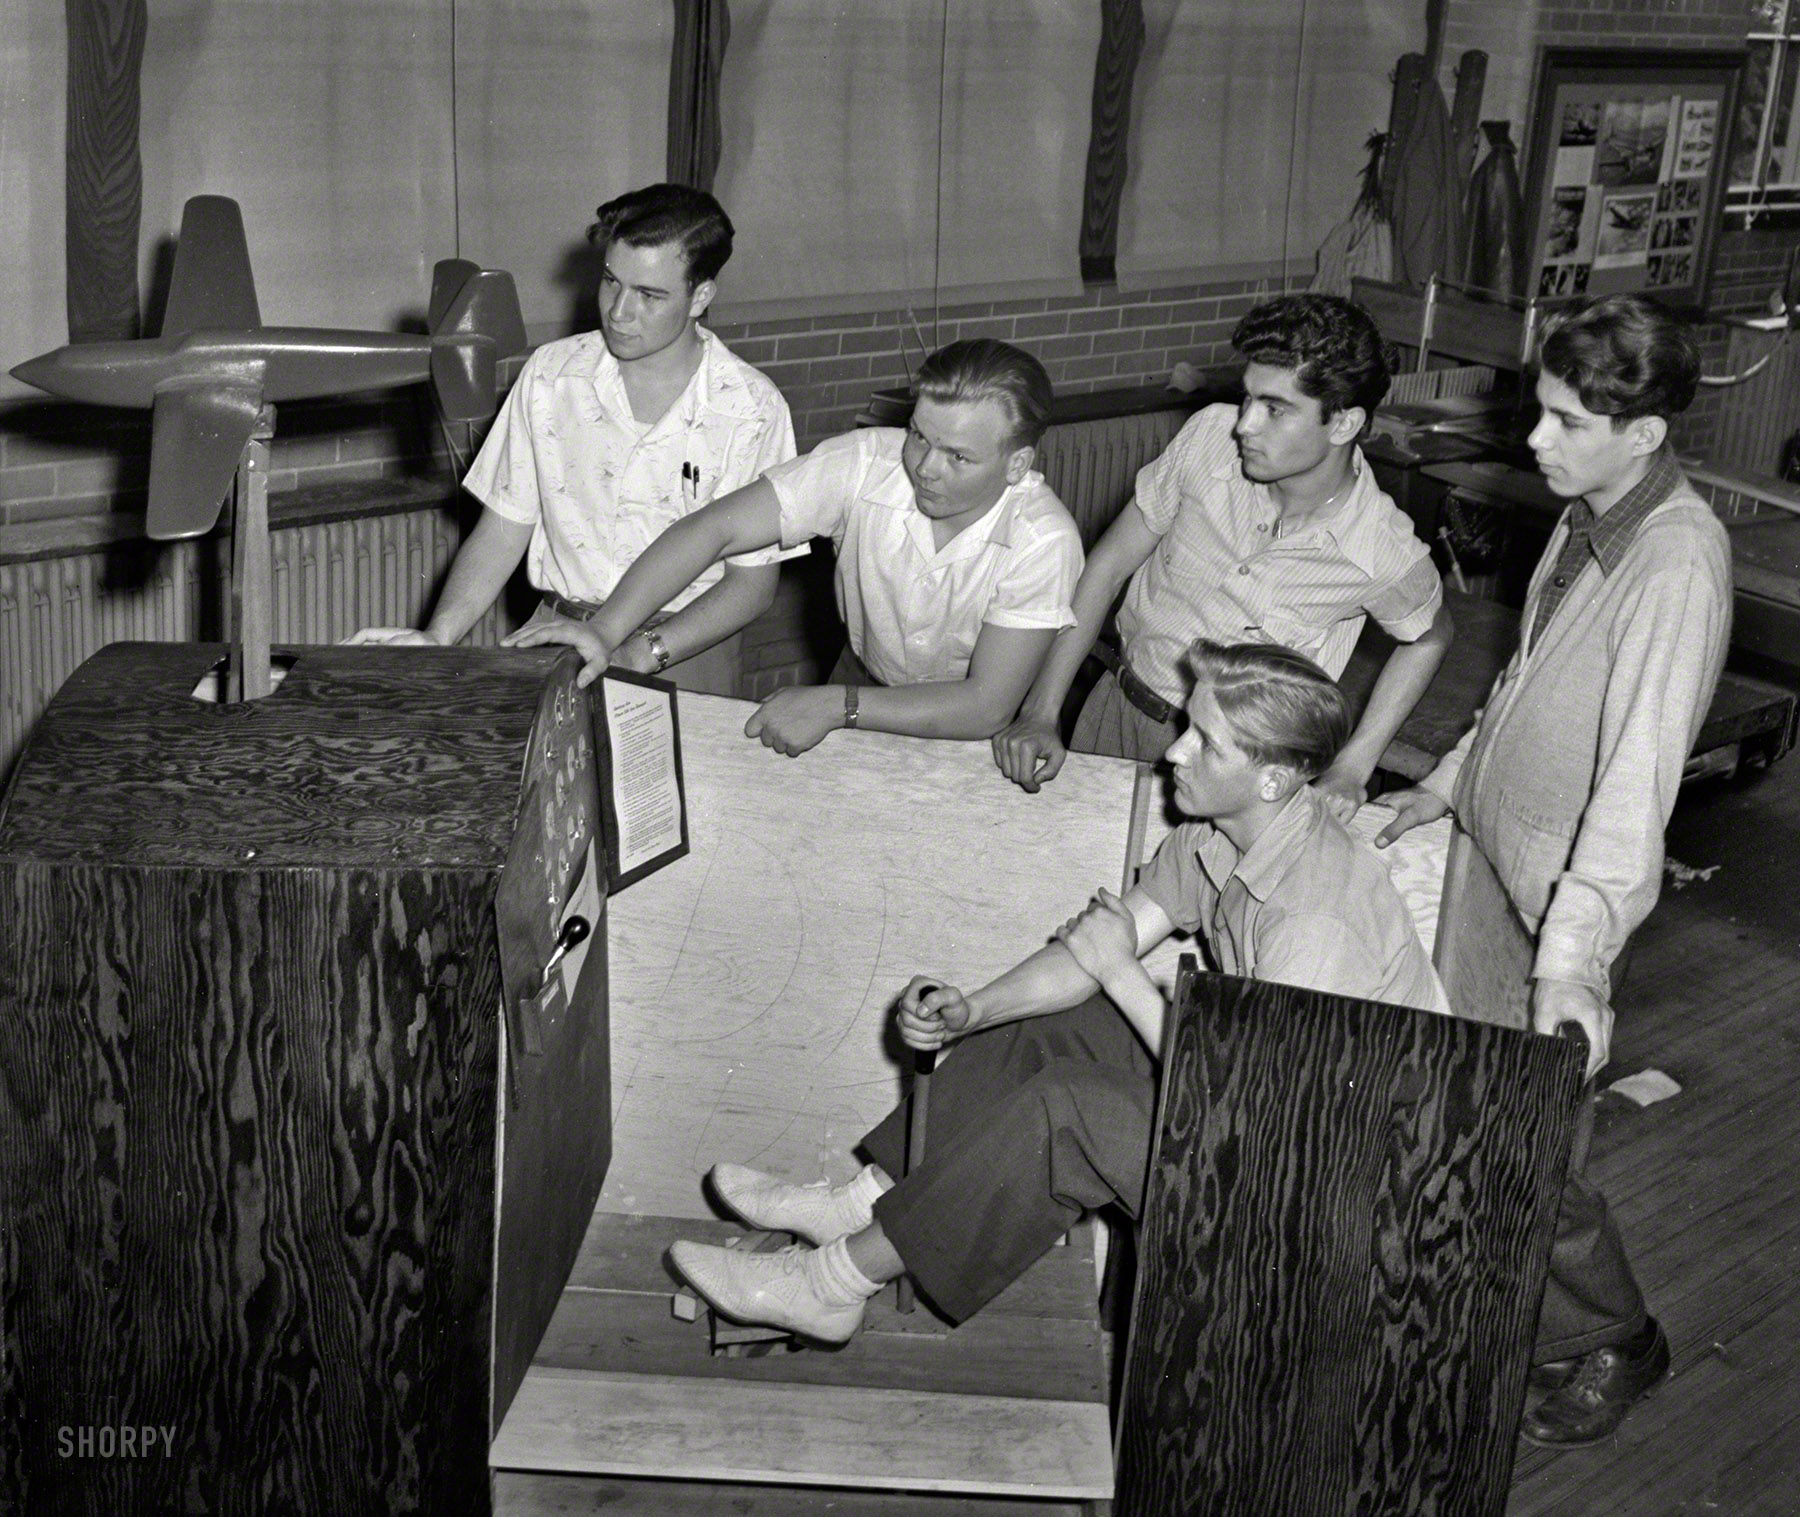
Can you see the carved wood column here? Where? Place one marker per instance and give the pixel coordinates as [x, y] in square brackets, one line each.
[1121, 40]
[104, 195]
[702, 33]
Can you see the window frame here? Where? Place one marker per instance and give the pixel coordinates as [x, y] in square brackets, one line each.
[1755, 202]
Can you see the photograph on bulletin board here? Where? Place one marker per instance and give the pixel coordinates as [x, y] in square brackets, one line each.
[1627, 171]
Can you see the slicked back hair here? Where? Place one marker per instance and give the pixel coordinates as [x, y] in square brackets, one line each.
[1283, 708]
[1332, 345]
[659, 214]
[1626, 356]
[983, 368]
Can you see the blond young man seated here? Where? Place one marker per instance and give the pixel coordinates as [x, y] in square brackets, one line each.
[1043, 1109]
[956, 563]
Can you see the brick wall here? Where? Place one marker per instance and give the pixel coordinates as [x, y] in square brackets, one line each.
[61, 461]
[826, 366]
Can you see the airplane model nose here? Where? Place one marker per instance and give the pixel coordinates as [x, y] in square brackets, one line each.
[35, 371]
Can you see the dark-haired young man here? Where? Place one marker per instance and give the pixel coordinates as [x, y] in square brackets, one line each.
[955, 561]
[1043, 1109]
[1263, 524]
[1568, 777]
[609, 436]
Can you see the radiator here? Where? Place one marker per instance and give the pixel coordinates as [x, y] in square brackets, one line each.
[1419, 385]
[1093, 465]
[327, 580]
[1757, 417]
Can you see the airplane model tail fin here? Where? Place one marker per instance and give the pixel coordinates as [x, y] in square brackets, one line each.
[475, 321]
[211, 285]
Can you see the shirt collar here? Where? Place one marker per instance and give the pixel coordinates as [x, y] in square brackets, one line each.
[711, 387]
[1610, 535]
[1271, 855]
[1346, 525]
[994, 527]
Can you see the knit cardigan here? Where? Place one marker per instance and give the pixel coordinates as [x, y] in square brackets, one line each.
[1569, 775]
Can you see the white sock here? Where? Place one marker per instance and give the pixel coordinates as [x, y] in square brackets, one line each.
[850, 1207]
[834, 1277]
[869, 1186]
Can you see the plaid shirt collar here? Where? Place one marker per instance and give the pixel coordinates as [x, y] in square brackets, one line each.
[1610, 535]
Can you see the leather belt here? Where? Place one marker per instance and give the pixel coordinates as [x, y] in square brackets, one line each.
[1135, 690]
[575, 610]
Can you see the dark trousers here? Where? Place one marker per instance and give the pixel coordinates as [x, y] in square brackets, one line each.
[1029, 1125]
[1591, 1297]
[850, 670]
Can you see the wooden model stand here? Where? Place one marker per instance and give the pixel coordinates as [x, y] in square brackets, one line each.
[275, 1173]
[1348, 1218]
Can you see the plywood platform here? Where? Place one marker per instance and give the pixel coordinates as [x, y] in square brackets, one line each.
[752, 987]
[753, 981]
[1013, 1403]
[752, 990]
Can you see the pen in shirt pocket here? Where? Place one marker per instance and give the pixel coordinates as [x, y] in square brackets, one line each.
[690, 481]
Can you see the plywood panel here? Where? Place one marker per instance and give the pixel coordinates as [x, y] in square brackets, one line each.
[581, 1421]
[752, 980]
[1346, 1229]
[530, 1494]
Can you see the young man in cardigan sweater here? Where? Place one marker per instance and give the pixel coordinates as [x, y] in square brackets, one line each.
[1569, 775]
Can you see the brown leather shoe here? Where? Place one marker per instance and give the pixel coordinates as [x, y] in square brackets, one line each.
[1605, 1385]
[1552, 1374]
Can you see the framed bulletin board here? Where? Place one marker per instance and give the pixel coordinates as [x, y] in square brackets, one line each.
[1626, 181]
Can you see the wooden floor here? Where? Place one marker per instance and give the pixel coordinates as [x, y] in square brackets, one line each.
[1706, 1185]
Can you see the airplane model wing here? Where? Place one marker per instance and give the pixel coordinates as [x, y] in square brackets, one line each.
[212, 285]
[198, 433]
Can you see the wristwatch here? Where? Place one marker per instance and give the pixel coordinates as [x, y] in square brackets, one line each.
[659, 650]
[852, 708]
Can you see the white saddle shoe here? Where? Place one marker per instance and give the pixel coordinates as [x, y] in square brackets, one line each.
[768, 1289]
[819, 1213]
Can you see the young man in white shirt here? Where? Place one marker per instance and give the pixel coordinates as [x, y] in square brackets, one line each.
[955, 561]
[609, 436]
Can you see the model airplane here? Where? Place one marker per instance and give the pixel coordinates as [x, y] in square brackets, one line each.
[215, 366]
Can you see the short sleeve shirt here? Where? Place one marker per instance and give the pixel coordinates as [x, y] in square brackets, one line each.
[567, 458]
[913, 610]
[1308, 905]
[1220, 570]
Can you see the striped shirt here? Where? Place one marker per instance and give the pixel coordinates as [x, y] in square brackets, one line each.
[1604, 539]
[1221, 572]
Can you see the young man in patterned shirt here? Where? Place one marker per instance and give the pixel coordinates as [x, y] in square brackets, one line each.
[609, 436]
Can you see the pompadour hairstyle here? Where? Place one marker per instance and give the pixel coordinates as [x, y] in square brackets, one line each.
[664, 213]
[1626, 356]
[1283, 708]
[982, 368]
[1332, 344]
